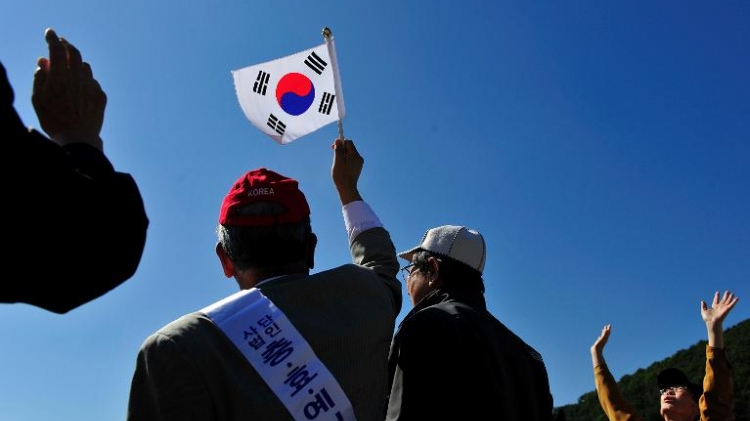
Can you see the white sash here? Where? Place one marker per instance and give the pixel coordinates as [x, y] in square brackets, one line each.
[281, 356]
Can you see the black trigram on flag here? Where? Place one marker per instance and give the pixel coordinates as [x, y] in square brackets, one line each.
[326, 102]
[261, 83]
[276, 124]
[314, 62]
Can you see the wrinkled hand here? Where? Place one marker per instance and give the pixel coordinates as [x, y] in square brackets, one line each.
[719, 308]
[67, 99]
[345, 171]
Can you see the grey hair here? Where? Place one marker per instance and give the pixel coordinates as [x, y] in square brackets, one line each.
[455, 275]
[264, 247]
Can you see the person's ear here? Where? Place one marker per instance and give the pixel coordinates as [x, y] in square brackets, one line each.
[226, 262]
[434, 273]
[434, 266]
[312, 241]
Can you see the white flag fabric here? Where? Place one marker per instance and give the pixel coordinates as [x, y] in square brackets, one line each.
[292, 96]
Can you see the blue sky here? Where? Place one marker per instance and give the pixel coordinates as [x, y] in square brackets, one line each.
[602, 148]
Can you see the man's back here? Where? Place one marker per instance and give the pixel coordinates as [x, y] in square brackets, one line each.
[346, 314]
[456, 361]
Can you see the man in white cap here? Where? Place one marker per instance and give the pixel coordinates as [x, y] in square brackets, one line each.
[450, 358]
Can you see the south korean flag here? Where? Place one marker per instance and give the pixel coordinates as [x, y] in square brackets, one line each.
[290, 97]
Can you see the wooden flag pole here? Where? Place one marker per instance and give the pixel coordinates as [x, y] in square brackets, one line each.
[327, 34]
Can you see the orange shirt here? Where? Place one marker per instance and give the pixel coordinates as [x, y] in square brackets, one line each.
[715, 403]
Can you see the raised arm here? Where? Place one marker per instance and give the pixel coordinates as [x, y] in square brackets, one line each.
[87, 193]
[345, 172]
[718, 385]
[714, 317]
[611, 400]
[369, 242]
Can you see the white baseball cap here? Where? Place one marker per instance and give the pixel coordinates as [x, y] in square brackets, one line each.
[455, 242]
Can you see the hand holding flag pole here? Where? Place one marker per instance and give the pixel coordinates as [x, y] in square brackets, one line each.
[292, 96]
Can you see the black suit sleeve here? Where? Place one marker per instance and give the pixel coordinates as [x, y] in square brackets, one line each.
[75, 228]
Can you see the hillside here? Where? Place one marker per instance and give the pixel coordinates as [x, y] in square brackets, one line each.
[640, 387]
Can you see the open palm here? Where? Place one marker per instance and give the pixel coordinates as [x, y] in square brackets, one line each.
[719, 308]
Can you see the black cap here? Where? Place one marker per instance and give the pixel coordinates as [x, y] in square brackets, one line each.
[673, 377]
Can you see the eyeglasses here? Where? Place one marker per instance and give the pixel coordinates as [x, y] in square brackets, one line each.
[673, 389]
[407, 270]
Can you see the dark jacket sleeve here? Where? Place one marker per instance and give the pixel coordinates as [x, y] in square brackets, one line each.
[77, 227]
[374, 249]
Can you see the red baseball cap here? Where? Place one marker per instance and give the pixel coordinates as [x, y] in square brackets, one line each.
[264, 185]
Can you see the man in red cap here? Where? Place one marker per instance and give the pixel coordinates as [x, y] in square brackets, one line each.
[290, 345]
[681, 399]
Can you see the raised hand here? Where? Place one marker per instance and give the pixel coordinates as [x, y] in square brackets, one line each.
[714, 317]
[719, 308]
[345, 171]
[67, 99]
[597, 349]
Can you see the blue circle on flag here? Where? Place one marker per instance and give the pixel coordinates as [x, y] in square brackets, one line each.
[295, 93]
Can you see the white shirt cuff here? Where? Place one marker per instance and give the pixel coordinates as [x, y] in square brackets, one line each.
[358, 217]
